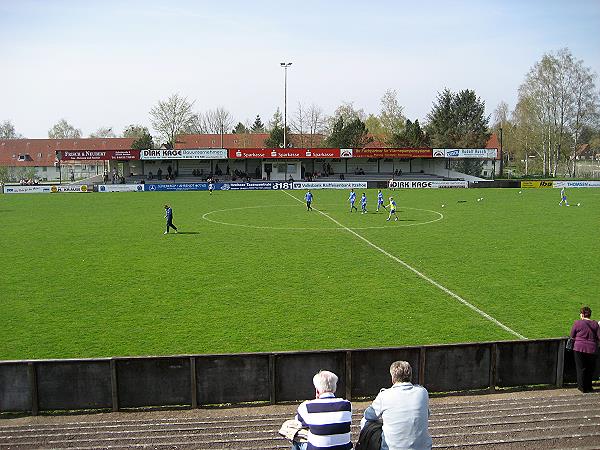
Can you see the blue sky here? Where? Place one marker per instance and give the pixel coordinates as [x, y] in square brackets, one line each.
[106, 63]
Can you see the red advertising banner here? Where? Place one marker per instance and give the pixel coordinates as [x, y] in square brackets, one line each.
[284, 153]
[392, 153]
[98, 155]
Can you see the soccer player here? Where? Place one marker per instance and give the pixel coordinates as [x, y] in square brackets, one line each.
[169, 217]
[363, 203]
[380, 200]
[308, 197]
[211, 186]
[563, 197]
[352, 200]
[392, 206]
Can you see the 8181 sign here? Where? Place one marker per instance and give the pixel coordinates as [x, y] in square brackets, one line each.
[282, 185]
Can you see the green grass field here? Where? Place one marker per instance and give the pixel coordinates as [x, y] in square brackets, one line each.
[91, 275]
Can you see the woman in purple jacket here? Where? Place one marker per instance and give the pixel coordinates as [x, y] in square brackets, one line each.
[586, 333]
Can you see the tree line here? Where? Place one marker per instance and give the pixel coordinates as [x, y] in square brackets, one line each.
[557, 110]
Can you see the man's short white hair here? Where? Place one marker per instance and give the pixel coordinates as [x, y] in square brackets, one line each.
[401, 372]
[325, 381]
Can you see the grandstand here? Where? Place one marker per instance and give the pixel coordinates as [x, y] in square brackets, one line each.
[553, 419]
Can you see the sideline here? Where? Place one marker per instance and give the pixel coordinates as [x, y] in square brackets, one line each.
[415, 271]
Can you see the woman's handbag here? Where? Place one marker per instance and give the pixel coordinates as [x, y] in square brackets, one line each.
[569, 344]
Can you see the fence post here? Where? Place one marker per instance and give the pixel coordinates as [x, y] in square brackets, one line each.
[493, 367]
[560, 363]
[193, 380]
[348, 375]
[34, 388]
[422, 358]
[113, 385]
[272, 383]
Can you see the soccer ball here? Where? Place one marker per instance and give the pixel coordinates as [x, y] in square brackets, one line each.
[478, 199]
[443, 206]
[578, 204]
[520, 192]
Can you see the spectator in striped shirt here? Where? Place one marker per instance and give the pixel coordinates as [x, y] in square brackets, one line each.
[328, 418]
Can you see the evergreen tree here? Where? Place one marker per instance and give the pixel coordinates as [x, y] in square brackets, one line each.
[459, 121]
[240, 128]
[257, 126]
[412, 136]
[143, 142]
[353, 134]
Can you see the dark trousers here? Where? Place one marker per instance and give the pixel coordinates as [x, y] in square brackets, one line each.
[170, 225]
[585, 363]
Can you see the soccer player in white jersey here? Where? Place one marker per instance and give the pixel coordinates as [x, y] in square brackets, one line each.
[563, 198]
[380, 201]
[363, 203]
[352, 200]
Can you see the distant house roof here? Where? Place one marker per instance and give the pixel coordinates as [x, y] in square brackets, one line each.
[494, 143]
[586, 150]
[42, 152]
[242, 140]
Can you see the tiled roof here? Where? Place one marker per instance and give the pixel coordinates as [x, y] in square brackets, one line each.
[242, 140]
[494, 143]
[42, 152]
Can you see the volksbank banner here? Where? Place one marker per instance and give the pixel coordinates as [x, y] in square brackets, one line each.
[576, 184]
[121, 188]
[329, 185]
[434, 184]
[192, 153]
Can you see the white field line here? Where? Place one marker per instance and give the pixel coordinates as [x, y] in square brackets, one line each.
[420, 274]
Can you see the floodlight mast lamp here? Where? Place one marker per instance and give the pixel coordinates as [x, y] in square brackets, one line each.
[285, 66]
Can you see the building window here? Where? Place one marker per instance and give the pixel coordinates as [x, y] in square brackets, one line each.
[44, 169]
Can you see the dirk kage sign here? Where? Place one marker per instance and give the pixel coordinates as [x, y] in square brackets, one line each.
[191, 153]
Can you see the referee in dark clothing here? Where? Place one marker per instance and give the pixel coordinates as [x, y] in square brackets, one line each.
[169, 217]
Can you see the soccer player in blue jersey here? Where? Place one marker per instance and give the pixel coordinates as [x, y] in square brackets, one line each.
[363, 203]
[392, 206]
[169, 217]
[308, 197]
[352, 200]
[380, 200]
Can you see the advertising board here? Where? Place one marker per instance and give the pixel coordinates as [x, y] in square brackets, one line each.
[304, 153]
[98, 155]
[257, 186]
[79, 188]
[481, 153]
[26, 189]
[577, 184]
[329, 185]
[176, 187]
[191, 153]
[121, 188]
[531, 184]
[427, 184]
[392, 153]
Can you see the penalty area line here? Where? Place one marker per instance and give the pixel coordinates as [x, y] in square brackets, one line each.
[418, 273]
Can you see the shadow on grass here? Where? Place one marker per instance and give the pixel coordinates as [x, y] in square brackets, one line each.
[186, 232]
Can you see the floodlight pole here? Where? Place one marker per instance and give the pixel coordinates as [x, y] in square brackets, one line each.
[285, 66]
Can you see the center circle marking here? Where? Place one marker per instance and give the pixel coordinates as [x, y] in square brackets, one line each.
[206, 217]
